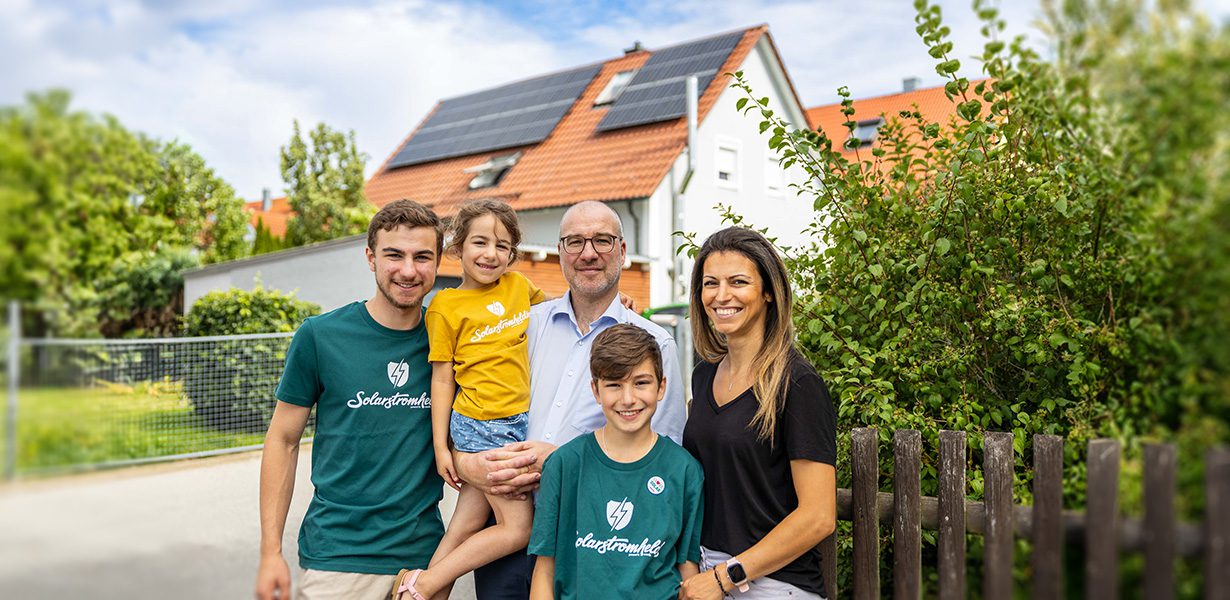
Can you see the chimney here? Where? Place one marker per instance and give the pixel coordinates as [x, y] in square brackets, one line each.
[636, 47]
[909, 84]
[266, 202]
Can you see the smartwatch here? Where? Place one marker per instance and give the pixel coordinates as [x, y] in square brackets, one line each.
[734, 570]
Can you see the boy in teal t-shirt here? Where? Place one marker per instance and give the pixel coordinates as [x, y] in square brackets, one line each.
[618, 513]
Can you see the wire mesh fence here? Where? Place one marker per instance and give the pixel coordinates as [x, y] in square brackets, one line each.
[93, 403]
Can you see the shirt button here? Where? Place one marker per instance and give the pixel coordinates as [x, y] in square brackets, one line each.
[570, 373]
[559, 403]
[548, 436]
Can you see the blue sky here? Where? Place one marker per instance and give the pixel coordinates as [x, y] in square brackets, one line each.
[230, 76]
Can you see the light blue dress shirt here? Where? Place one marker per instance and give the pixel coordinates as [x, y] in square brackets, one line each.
[562, 406]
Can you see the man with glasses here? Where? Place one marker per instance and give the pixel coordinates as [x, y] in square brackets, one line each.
[562, 406]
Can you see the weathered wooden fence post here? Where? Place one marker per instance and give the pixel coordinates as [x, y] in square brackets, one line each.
[907, 514]
[952, 515]
[828, 564]
[1102, 520]
[1217, 524]
[1048, 517]
[865, 472]
[1159, 521]
[997, 473]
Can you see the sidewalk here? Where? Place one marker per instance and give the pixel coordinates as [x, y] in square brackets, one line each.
[185, 530]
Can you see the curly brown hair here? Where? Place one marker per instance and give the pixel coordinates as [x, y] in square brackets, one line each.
[460, 227]
[408, 213]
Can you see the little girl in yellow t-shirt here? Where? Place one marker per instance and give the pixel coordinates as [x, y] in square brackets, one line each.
[480, 390]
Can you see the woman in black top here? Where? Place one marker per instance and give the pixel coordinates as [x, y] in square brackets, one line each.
[762, 426]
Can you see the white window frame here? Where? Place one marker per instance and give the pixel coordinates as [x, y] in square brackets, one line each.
[873, 125]
[773, 172]
[611, 93]
[733, 145]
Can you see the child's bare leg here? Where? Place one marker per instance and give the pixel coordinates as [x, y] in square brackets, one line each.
[469, 517]
[514, 518]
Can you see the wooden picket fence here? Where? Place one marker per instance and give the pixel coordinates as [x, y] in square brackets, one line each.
[1104, 533]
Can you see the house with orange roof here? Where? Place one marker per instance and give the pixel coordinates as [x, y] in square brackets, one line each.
[871, 113]
[274, 213]
[615, 131]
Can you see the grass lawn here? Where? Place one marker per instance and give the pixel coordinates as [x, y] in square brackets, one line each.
[63, 427]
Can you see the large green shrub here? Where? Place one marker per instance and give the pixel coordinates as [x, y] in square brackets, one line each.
[231, 383]
[1052, 261]
[141, 295]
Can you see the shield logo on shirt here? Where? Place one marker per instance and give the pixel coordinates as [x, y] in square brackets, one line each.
[496, 308]
[618, 514]
[399, 372]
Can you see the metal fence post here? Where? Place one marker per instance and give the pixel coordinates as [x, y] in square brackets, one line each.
[10, 421]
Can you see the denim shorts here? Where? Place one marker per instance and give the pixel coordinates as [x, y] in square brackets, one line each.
[473, 435]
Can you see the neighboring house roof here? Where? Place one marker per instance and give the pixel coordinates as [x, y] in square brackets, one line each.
[575, 162]
[934, 106]
[275, 218]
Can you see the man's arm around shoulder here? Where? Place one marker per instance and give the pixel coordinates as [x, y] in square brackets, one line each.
[278, 462]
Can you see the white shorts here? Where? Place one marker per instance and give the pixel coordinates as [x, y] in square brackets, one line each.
[335, 585]
[758, 589]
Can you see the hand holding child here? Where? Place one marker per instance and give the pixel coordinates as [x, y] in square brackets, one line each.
[446, 469]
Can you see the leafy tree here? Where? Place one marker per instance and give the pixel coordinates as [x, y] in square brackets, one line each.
[324, 184]
[143, 293]
[1052, 261]
[265, 241]
[79, 192]
[194, 206]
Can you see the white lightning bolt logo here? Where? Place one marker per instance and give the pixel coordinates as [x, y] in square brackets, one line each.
[618, 514]
[399, 372]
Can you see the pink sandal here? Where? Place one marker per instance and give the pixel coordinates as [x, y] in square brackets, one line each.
[405, 583]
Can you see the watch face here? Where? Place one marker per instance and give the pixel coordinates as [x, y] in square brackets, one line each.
[736, 573]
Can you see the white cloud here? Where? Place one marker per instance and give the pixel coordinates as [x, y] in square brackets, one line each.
[233, 94]
[228, 76]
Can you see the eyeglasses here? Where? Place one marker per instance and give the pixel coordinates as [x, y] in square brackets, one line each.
[575, 244]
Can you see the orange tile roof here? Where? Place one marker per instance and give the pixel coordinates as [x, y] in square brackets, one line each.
[275, 218]
[934, 106]
[574, 163]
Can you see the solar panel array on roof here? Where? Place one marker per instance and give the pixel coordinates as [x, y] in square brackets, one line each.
[658, 93]
[516, 114]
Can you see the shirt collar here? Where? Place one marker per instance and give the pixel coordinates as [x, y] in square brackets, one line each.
[615, 312]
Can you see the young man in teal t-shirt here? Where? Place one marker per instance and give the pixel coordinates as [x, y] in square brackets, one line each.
[364, 367]
[619, 511]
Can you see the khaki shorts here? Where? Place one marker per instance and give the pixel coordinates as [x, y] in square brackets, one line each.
[333, 585]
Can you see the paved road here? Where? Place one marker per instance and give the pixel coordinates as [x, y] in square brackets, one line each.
[189, 530]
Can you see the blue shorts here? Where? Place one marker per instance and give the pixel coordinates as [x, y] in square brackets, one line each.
[473, 435]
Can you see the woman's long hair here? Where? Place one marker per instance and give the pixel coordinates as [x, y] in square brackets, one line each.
[772, 362]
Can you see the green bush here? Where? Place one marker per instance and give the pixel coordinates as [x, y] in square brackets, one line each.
[1052, 261]
[231, 383]
[141, 295]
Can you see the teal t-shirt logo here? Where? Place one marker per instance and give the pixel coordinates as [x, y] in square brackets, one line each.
[399, 373]
[619, 514]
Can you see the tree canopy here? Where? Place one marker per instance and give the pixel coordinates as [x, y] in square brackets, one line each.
[324, 184]
[80, 193]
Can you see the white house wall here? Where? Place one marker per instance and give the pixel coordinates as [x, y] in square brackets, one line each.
[541, 227]
[783, 213]
[343, 264]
